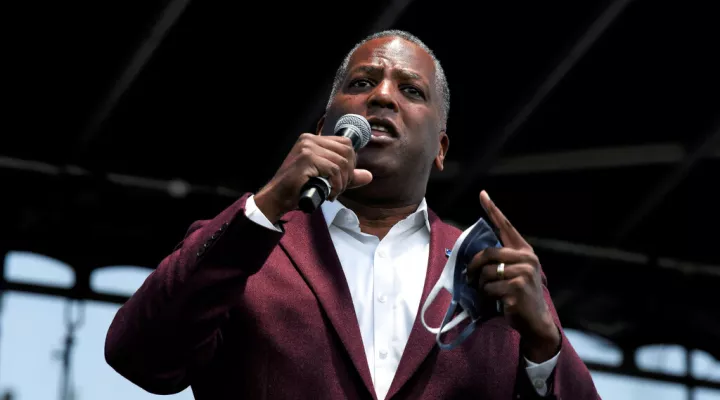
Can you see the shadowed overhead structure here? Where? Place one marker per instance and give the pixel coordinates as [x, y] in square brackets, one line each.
[593, 125]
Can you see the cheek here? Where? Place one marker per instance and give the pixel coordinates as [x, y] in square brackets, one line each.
[421, 118]
[348, 103]
[419, 151]
[430, 141]
[431, 149]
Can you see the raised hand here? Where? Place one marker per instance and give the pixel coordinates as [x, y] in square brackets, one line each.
[512, 274]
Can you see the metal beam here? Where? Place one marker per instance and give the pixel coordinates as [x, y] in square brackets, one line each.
[597, 158]
[624, 256]
[706, 146]
[168, 17]
[174, 187]
[589, 251]
[63, 292]
[581, 159]
[498, 140]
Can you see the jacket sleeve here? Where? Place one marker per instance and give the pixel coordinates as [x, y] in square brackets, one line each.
[570, 380]
[170, 327]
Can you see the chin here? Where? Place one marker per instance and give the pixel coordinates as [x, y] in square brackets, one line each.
[378, 170]
[380, 165]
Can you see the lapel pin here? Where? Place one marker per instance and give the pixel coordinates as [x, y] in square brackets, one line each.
[447, 252]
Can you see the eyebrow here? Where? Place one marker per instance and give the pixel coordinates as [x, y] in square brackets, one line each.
[400, 73]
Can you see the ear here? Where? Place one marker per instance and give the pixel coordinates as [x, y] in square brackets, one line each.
[442, 151]
[320, 124]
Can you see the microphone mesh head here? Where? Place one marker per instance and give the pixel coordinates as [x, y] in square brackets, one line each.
[357, 123]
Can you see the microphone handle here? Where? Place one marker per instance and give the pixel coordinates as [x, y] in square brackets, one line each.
[317, 189]
[313, 193]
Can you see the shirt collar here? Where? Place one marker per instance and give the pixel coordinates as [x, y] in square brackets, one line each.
[335, 212]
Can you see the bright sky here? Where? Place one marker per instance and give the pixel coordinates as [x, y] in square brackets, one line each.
[32, 331]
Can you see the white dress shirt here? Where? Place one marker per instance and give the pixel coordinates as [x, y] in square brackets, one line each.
[386, 279]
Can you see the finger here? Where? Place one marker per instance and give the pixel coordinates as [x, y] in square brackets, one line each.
[342, 146]
[360, 177]
[332, 172]
[497, 289]
[509, 303]
[346, 166]
[495, 255]
[337, 144]
[489, 273]
[340, 139]
[508, 234]
[502, 290]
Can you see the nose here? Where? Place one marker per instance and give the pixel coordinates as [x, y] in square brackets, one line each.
[383, 96]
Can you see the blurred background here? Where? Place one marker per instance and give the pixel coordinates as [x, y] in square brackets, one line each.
[594, 125]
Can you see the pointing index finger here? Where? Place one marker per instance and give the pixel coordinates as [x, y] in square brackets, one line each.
[508, 234]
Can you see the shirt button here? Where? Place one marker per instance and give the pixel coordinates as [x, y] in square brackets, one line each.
[382, 254]
[382, 298]
[539, 384]
[383, 354]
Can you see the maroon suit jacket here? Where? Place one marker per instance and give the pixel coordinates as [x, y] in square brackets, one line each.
[239, 311]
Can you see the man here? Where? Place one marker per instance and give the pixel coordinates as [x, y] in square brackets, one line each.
[264, 301]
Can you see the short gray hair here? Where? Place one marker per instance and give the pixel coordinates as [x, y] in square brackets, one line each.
[440, 79]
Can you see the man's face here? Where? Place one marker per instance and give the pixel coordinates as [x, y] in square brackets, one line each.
[391, 82]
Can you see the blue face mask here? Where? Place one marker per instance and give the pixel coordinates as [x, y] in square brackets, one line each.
[454, 279]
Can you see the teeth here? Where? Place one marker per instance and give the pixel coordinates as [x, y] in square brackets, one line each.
[378, 128]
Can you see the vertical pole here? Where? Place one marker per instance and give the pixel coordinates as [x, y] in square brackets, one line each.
[3, 261]
[689, 374]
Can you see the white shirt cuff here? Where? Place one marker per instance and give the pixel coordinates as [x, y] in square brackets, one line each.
[255, 215]
[539, 373]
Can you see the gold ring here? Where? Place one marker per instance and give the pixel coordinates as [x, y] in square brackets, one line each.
[501, 271]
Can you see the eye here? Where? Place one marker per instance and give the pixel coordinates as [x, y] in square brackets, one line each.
[360, 83]
[413, 91]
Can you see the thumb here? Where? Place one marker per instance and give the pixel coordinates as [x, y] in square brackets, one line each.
[361, 177]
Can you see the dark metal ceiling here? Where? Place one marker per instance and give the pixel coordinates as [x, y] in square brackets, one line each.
[595, 125]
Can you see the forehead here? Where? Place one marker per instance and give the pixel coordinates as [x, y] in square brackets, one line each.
[394, 52]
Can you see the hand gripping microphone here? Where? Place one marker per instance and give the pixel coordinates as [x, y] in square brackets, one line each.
[317, 189]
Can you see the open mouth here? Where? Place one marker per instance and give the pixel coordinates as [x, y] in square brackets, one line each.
[382, 130]
[379, 130]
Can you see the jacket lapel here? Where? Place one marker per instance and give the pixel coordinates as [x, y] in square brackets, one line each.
[421, 342]
[307, 242]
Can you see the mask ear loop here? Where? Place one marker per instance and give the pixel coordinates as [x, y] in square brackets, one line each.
[445, 277]
[463, 335]
[431, 297]
[446, 325]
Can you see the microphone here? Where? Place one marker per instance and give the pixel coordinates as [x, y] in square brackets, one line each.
[317, 189]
